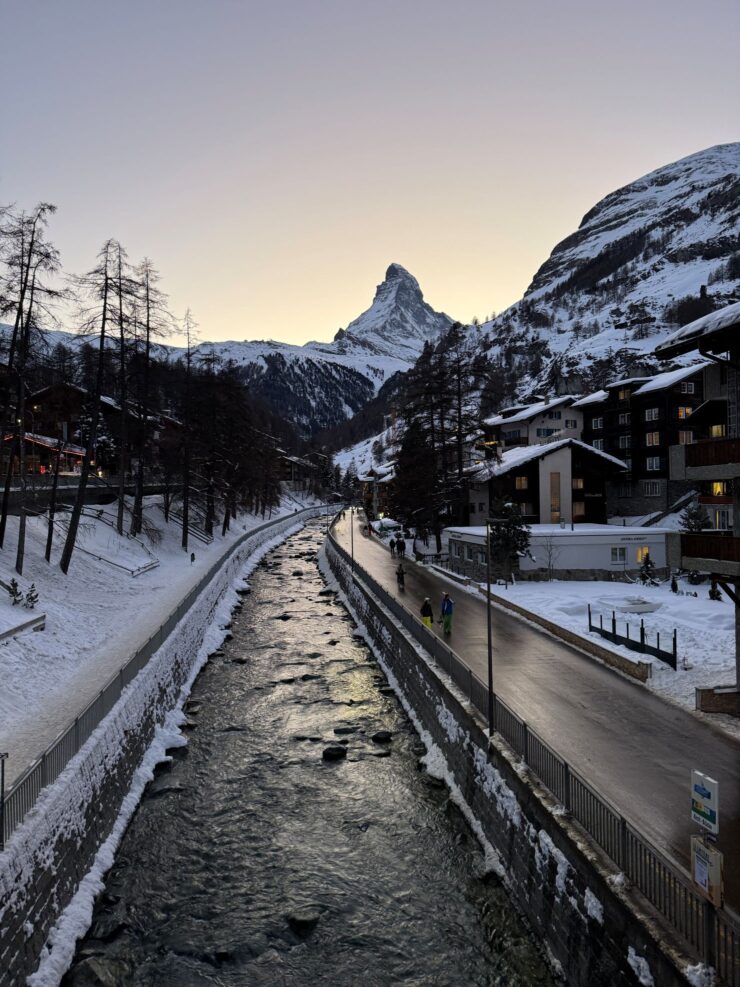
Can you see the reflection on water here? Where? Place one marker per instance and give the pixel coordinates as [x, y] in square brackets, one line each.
[253, 860]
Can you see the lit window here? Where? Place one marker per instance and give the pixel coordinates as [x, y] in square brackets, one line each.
[685, 438]
[624, 393]
[619, 555]
[652, 414]
[521, 482]
[642, 553]
[718, 431]
[577, 483]
[720, 488]
[653, 463]
[652, 439]
[684, 412]
[579, 509]
[687, 387]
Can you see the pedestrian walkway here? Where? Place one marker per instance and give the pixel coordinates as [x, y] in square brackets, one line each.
[634, 747]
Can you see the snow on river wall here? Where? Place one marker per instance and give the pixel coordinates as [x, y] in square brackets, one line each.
[50, 871]
[591, 929]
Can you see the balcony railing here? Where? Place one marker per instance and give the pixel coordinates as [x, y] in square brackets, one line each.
[713, 452]
[723, 548]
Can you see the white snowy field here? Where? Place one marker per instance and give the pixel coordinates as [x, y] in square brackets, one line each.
[706, 629]
[97, 617]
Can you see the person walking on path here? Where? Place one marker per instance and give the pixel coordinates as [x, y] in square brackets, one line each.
[392, 547]
[401, 547]
[401, 576]
[427, 614]
[447, 608]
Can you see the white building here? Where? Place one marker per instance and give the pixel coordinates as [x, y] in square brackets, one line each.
[532, 424]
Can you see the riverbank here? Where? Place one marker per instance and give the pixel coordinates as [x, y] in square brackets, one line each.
[97, 616]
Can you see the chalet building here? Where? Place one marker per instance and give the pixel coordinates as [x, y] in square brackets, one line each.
[377, 487]
[41, 453]
[638, 420]
[533, 424]
[714, 459]
[299, 472]
[560, 482]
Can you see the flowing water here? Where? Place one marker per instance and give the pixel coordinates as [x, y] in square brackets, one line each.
[254, 861]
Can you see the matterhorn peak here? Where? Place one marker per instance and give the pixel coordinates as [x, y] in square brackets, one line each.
[396, 272]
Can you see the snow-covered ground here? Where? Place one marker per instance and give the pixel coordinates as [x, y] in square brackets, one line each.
[97, 617]
[706, 636]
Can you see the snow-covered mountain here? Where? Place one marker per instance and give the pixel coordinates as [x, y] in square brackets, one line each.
[630, 274]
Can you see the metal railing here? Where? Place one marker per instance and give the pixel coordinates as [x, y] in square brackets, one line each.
[713, 933]
[637, 642]
[24, 791]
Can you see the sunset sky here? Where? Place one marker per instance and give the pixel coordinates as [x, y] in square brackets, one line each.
[273, 158]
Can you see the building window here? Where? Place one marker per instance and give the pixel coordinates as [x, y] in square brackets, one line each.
[598, 444]
[624, 418]
[653, 464]
[651, 488]
[457, 549]
[513, 434]
[722, 518]
[628, 462]
[469, 553]
[685, 437]
[571, 423]
[642, 553]
[482, 557]
[481, 507]
[521, 482]
[472, 507]
[652, 414]
[597, 423]
[720, 488]
[625, 490]
[579, 509]
[687, 387]
[544, 433]
[619, 555]
[625, 441]
[684, 411]
[554, 416]
[652, 439]
[717, 431]
[624, 393]
[577, 483]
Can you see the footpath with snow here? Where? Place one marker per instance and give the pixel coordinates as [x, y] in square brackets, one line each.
[96, 617]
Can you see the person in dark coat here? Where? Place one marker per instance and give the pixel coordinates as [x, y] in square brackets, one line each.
[401, 576]
[401, 547]
[392, 547]
[427, 614]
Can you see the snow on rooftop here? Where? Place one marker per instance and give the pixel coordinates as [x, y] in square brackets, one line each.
[591, 399]
[513, 458]
[529, 411]
[625, 381]
[683, 339]
[545, 530]
[669, 378]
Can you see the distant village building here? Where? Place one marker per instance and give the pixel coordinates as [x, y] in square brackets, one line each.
[533, 424]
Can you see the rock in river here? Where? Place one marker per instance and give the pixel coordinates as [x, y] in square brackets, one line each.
[334, 752]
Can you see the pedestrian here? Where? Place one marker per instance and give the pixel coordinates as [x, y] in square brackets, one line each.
[192, 558]
[427, 614]
[392, 547]
[401, 547]
[401, 577]
[447, 608]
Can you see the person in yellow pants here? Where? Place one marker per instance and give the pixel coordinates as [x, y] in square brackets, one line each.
[427, 614]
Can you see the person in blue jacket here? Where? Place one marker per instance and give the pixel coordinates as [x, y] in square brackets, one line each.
[447, 608]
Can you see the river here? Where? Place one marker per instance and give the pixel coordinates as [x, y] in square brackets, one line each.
[252, 860]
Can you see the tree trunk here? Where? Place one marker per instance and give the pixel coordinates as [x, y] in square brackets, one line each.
[53, 501]
[186, 494]
[74, 521]
[123, 397]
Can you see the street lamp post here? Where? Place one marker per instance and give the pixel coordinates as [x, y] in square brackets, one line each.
[2, 801]
[488, 627]
[352, 535]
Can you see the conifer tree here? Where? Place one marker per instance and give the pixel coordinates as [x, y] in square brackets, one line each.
[694, 519]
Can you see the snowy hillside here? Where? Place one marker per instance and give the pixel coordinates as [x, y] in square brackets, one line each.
[630, 274]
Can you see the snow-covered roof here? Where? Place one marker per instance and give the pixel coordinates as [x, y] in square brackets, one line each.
[669, 378]
[512, 459]
[529, 411]
[50, 443]
[612, 531]
[591, 399]
[626, 380]
[689, 337]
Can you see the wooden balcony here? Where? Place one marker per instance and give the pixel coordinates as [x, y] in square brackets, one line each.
[715, 553]
[718, 457]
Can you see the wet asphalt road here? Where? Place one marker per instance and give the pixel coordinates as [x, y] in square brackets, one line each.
[635, 748]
